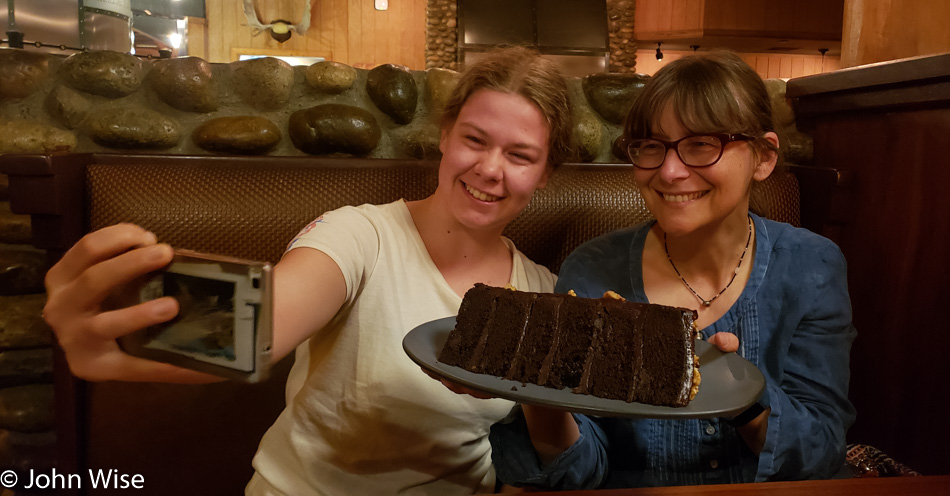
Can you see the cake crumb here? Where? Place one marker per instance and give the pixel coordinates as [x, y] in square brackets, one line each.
[614, 296]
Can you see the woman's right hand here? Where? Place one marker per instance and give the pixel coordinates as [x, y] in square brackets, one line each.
[79, 285]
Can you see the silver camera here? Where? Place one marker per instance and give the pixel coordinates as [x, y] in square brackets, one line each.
[225, 319]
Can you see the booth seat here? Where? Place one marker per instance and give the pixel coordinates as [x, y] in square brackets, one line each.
[187, 439]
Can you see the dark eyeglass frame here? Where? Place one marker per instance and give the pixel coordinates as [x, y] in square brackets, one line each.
[724, 139]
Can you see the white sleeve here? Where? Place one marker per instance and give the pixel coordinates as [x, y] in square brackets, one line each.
[349, 237]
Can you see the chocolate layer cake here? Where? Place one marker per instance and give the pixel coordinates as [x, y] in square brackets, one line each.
[604, 347]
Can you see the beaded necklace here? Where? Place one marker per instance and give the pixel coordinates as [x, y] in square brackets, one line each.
[704, 301]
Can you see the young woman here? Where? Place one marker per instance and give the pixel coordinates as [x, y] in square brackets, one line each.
[360, 419]
[700, 134]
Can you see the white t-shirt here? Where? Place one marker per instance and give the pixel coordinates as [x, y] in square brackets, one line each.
[362, 418]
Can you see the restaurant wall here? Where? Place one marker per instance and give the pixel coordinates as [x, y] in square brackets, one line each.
[881, 30]
[768, 65]
[353, 33]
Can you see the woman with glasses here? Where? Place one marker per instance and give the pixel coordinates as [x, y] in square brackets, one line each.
[700, 135]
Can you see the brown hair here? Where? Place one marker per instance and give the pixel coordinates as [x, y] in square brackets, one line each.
[521, 71]
[714, 92]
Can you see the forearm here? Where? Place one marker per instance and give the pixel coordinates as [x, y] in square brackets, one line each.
[552, 431]
[753, 433]
[581, 464]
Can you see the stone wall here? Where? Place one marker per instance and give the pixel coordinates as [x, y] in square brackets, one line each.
[622, 43]
[113, 102]
[27, 438]
[442, 34]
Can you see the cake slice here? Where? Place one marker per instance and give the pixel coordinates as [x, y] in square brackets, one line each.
[604, 347]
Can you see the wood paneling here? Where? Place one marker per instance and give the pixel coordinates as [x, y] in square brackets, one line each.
[888, 124]
[352, 32]
[669, 16]
[880, 30]
[198, 37]
[768, 65]
[802, 19]
[805, 19]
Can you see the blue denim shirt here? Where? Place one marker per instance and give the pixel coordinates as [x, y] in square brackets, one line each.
[793, 320]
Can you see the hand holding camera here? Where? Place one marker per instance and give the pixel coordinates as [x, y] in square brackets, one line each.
[111, 285]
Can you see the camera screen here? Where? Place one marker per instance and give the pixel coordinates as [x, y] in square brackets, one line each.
[204, 327]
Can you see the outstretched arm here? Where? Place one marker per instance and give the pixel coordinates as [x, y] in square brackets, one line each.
[83, 285]
[309, 289]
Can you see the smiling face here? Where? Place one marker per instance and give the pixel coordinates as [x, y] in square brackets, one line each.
[685, 199]
[494, 156]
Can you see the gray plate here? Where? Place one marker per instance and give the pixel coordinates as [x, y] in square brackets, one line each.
[730, 383]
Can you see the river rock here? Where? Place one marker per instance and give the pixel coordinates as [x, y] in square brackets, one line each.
[22, 269]
[25, 451]
[132, 128]
[392, 88]
[34, 137]
[21, 322]
[420, 143]
[798, 147]
[612, 95]
[334, 128]
[240, 134]
[588, 134]
[265, 83]
[22, 72]
[330, 77]
[27, 408]
[440, 83]
[782, 113]
[617, 151]
[185, 84]
[18, 367]
[104, 73]
[14, 228]
[67, 106]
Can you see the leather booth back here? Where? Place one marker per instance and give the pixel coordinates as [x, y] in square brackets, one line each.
[252, 207]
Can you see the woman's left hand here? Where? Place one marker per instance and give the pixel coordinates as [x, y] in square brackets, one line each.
[753, 433]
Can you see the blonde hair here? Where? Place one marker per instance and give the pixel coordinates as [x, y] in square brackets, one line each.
[521, 71]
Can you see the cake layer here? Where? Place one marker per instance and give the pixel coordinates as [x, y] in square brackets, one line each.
[604, 347]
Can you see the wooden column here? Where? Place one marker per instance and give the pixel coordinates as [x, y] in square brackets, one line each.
[890, 124]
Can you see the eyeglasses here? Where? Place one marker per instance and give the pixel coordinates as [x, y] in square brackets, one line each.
[698, 150]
